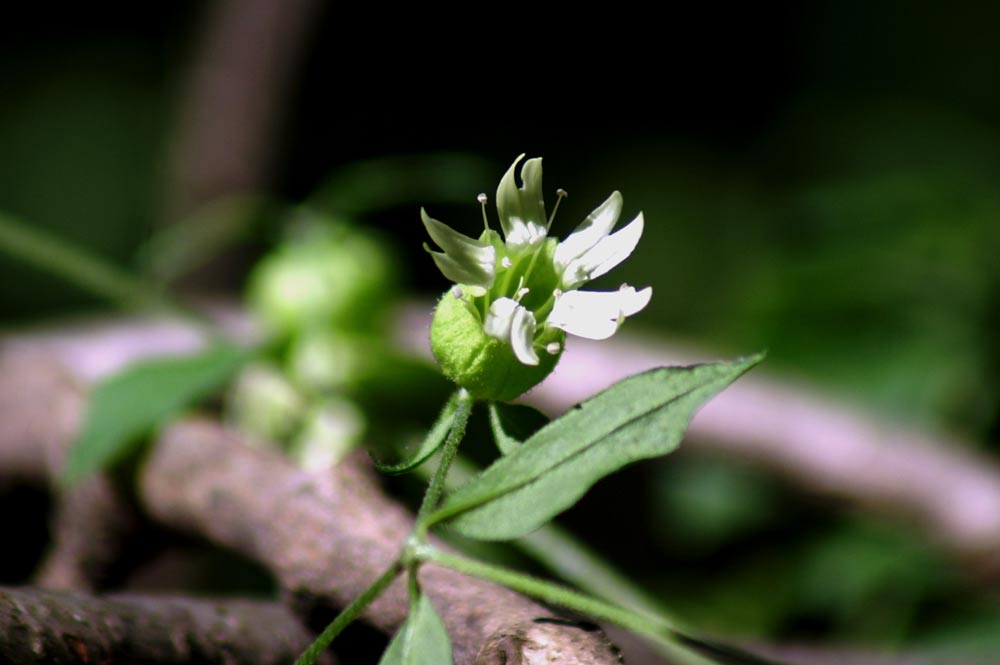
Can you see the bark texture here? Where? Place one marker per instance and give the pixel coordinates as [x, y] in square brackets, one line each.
[325, 537]
[328, 536]
[49, 627]
[90, 520]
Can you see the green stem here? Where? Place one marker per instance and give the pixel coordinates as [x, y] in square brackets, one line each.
[348, 615]
[651, 626]
[88, 271]
[657, 629]
[435, 489]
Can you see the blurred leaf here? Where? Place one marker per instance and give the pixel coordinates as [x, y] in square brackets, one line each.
[422, 639]
[868, 577]
[698, 505]
[143, 396]
[640, 417]
[513, 424]
[192, 242]
[971, 635]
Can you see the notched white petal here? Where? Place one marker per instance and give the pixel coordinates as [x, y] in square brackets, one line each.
[509, 322]
[605, 255]
[465, 260]
[597, 314]
[521, 209]
[592, 230]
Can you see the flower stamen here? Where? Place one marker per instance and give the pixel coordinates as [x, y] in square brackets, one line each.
[482, 198]
[560, 195]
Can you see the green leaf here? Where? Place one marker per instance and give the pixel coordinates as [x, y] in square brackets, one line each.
[435, 437]
[513, 424]
[144, 395]
[637, 418]
[422, 639]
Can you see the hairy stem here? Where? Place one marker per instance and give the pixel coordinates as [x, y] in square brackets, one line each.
[348, 614]
[436, 487]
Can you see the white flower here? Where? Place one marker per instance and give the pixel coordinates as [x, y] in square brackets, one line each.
[523, 288]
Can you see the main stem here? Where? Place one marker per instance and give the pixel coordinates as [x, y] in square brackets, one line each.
[463, 409]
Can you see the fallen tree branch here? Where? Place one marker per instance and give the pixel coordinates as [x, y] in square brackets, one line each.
[324, 537]
[328, 536]
[51, 627]
[90, 520]
[825, 446]
[938, 483]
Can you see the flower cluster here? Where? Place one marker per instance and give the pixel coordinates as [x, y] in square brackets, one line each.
[516, 295]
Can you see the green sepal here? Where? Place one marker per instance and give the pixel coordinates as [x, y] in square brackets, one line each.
[435, 437]
[465, 260]
[484, 365]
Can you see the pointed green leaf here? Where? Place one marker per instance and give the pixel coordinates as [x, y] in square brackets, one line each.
[513, 424]
[421, 640]
[640, 417]
[141, 397]
[435, 437]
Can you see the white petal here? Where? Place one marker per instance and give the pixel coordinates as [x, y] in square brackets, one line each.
[522, 336]
[603, 256]
[499, 318]
[524, 234]
[521, 209]
[510, 322]
[594, 228]
[597, 314]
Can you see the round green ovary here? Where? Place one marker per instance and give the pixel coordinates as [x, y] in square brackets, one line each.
[483, 365]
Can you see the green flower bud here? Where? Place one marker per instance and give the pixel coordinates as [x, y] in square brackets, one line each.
[331, 430]
[482, 364]
[327, 275]
[263, 405]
